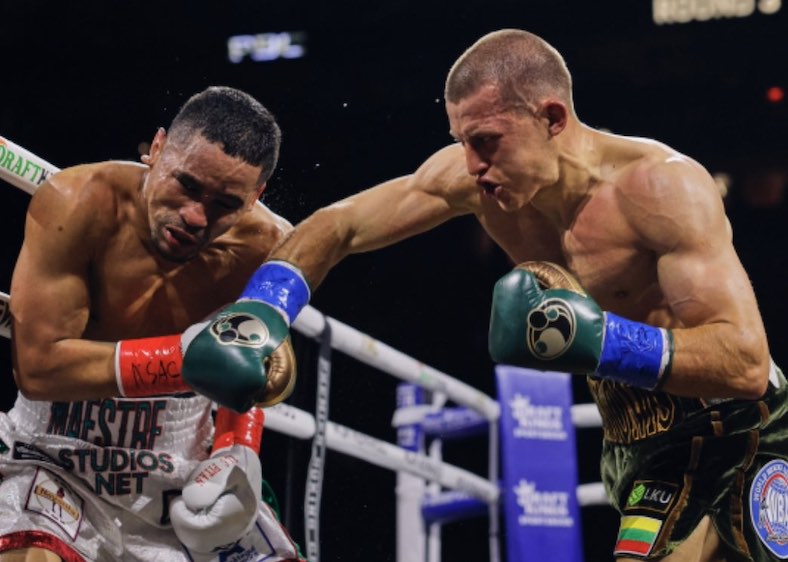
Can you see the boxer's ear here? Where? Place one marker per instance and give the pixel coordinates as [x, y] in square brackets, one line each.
[557, 116]
[156, 146]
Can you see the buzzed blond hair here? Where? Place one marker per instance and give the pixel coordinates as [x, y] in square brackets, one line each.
[525, 68]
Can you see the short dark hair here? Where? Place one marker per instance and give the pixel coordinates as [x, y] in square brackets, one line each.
[524, 66]
[235, 120]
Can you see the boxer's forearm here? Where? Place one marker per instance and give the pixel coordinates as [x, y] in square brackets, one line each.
[719, 360]
[70, 369]
[372, 219]
[316, 245]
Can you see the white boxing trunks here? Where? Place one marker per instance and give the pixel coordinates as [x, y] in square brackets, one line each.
[93, 480]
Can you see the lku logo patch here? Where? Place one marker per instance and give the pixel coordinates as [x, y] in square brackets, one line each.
[651, 496]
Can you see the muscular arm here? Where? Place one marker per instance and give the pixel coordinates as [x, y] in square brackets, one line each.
[721, 350]
[50, 301]
[382, 215]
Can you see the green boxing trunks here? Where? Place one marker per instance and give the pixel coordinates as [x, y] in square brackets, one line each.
[727, 460]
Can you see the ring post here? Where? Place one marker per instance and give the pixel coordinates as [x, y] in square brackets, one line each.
[411, 536]
[539, 471]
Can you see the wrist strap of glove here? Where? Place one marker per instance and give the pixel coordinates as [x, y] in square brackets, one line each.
[281, 285]
[232, 428]
[149, 367]
[634, 353]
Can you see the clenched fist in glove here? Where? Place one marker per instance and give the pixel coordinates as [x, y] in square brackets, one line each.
[543, 319]
[155, 366]
[219, 502]
[241, 339]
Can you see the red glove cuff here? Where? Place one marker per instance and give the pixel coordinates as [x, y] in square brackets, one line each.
[232, 428]
[149, 367]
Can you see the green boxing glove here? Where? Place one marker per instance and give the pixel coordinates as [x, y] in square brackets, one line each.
[226, 361]
[557, 327]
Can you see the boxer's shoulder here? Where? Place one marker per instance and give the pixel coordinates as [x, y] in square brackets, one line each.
[445, 174]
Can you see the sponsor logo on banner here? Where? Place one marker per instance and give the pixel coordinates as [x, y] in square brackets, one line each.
[536, 421]
[21, 166]
[55, 500]
[240, 329]
[548, 508]
[651, 495]
[769, 506]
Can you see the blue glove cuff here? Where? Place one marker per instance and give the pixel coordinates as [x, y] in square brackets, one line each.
[634, 353]
[281, 285]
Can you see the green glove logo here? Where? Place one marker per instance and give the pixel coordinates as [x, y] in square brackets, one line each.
[551, 329]
[240, 329]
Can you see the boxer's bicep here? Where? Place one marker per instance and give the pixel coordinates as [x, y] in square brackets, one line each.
[720, 342]
[49, 288]
[699, 272]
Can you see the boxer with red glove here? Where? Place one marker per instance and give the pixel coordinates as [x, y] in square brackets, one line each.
[155, 366]
[220, 511]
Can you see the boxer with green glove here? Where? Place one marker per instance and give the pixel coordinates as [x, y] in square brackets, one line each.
[241, 338]
[239, 358]
[557, 326]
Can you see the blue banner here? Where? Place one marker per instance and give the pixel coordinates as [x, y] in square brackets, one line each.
[539, 466]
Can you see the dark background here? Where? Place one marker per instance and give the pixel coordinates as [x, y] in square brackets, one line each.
[91, 80]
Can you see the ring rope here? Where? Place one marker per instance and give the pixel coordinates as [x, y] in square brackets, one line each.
[377, 354]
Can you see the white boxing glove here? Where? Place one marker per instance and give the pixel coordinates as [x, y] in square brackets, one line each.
[220, 500]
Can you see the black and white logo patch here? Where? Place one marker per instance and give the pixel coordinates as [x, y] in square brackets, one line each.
[651, 495]
[240, 329]
[551, 329]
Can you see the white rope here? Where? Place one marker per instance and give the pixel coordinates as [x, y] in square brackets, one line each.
[298, 423]
[592, 494]
[21, 168]
[583, 415]
[387, 359]
[586, 415]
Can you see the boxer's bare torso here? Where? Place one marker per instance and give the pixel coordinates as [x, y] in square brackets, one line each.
[111, 253]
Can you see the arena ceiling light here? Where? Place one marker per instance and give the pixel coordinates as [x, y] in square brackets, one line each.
[264, 47]
[685, 11]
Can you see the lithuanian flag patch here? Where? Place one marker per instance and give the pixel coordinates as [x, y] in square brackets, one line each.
[637, 535]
